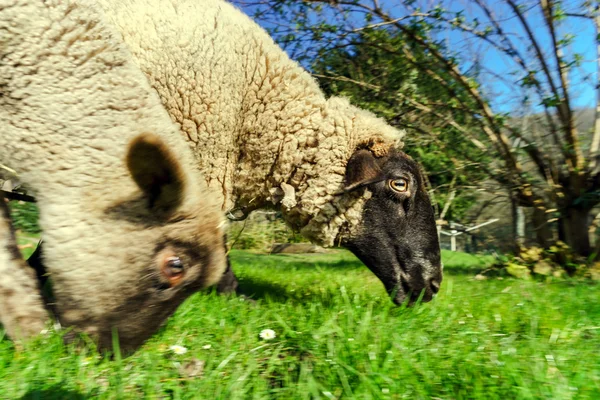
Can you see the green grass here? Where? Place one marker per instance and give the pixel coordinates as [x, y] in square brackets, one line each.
[27, 243]
[338, 336]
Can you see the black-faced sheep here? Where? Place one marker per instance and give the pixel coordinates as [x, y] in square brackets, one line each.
[264, 135]
[129, 231]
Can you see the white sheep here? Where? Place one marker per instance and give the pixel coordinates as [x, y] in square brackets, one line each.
[264, 135]
[129, 231]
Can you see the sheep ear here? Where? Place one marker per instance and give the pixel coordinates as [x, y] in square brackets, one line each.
[156, 171]
[362, 169]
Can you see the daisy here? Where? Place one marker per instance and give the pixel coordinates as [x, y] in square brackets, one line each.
[178, 349]
[267, 334]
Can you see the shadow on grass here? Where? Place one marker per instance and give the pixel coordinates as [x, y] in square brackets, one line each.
[300, 261]
[259, 289]
[54, 393]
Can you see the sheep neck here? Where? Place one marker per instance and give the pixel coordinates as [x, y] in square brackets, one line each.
[296, 165]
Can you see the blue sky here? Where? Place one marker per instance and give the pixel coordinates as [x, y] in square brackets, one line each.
[502, 95]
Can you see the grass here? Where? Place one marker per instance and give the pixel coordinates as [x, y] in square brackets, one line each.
[27, 243]
[338, 336]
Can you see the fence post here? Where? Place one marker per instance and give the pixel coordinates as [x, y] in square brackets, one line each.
[453, 237]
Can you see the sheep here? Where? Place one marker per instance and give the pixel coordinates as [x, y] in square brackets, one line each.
[265, 136]
[129, 228]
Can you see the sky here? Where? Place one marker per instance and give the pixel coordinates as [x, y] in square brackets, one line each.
[497, 76]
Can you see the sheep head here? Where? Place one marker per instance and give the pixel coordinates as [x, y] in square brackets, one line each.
[397, 237]
[165, 245]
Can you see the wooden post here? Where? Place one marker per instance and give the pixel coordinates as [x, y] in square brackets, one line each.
[453, 237]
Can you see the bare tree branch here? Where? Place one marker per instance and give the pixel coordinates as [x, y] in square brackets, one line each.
[380, 24]
[511, 50]
[540, 56]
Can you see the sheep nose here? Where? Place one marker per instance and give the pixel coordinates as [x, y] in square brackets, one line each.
[434, 284]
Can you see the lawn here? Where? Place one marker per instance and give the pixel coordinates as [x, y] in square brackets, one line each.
[338, 336]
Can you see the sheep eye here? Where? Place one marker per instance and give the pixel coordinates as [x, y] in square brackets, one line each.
[173, 269]
[398, 185]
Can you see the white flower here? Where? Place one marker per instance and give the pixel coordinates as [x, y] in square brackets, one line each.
[178, 349]
[206, 346]
[267, 334]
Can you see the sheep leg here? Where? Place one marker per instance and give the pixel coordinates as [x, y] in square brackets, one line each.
[35, 261]
[228, 283]
[22, 311]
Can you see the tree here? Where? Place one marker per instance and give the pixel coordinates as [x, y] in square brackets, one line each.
[553, 169]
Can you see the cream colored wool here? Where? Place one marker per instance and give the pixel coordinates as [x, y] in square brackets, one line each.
[71, 101]
[257, 121]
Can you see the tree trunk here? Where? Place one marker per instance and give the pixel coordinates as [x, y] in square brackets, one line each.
[574, 223]
[518, 225]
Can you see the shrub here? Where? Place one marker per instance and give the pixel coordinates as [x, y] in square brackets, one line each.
[259, 231]
[556, 261]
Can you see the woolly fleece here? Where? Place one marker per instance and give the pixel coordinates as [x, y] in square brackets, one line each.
[262, 131]
[71, 101]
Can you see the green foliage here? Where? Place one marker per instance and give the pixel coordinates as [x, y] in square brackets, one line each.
[551, 101]
[339, 336]
[25, 216]
[530, 79]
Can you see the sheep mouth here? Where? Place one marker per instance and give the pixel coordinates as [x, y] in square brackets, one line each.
[400, 295]
[403, 292]
[400, 292]
[399, 285]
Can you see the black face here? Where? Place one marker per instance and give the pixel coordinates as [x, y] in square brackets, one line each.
[397, 238]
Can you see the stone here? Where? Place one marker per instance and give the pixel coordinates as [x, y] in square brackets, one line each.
[542, 267]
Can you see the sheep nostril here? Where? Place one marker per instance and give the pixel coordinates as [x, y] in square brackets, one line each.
[434, 285]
